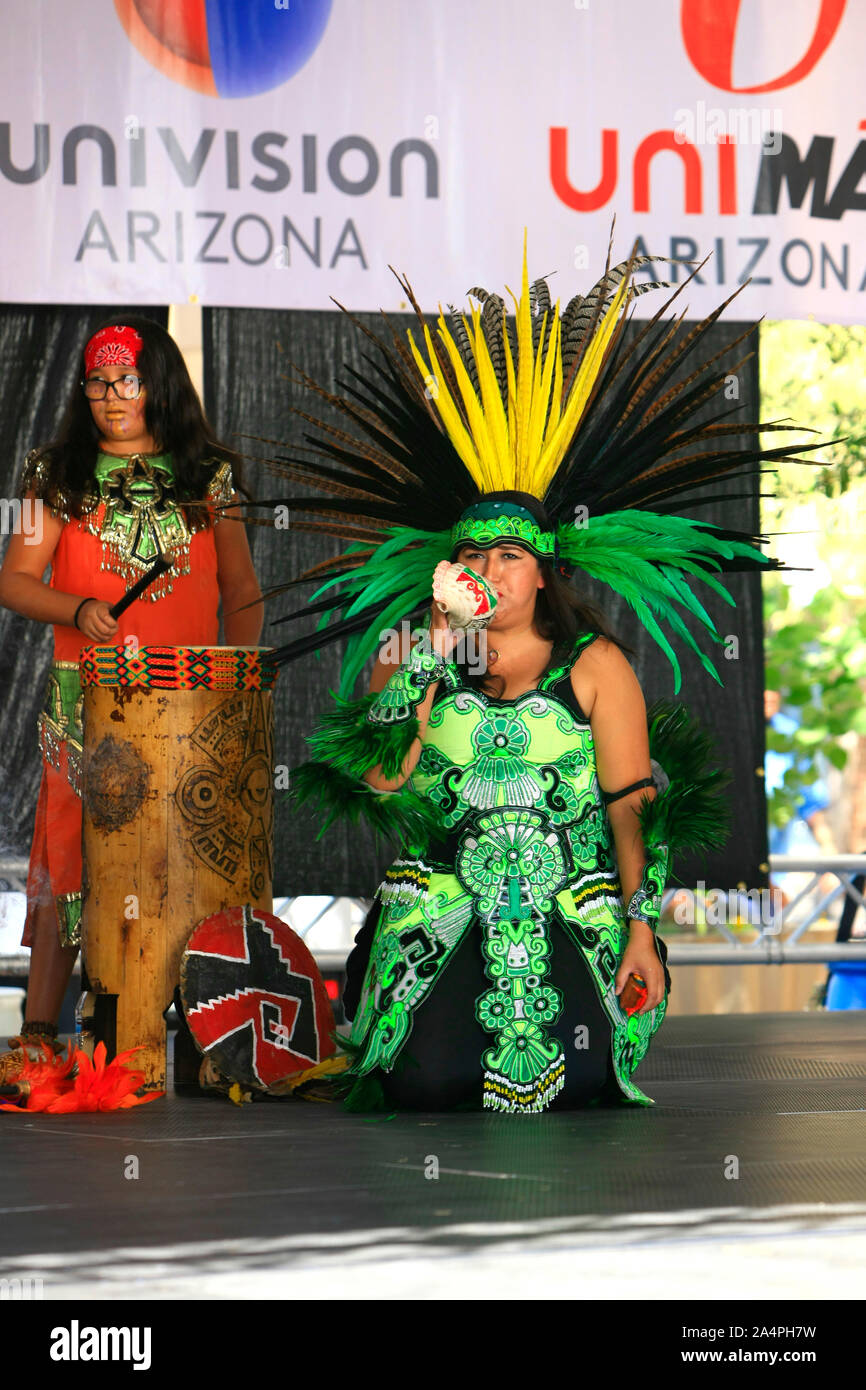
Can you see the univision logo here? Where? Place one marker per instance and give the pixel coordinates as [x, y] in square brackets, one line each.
[226, 48]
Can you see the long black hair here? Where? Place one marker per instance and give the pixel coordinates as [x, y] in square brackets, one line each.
[561, 614]
[174, 417]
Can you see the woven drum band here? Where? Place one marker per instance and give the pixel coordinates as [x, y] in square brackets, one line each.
[179, 668]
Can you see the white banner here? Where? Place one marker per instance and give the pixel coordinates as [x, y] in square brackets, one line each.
[275, 153]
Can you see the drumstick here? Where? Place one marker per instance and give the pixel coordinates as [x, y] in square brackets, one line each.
[159, 566]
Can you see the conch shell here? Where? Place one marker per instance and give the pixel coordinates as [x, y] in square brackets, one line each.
[464, 596]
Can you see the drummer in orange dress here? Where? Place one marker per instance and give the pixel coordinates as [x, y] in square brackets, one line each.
[133, 474]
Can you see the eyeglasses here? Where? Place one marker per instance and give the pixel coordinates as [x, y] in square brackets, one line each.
[126, 388]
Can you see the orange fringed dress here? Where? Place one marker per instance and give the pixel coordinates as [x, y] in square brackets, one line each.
[100, 555]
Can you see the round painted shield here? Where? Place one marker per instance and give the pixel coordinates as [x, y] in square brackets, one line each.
[253, 997]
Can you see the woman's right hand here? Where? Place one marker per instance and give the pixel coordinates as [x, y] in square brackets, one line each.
[95, 621]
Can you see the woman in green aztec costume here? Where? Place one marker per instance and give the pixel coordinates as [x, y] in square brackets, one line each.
[535, 841]
[499, 951]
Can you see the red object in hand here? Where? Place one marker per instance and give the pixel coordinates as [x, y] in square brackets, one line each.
[634, 994]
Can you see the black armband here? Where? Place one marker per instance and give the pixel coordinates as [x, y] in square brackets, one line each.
[608, 797]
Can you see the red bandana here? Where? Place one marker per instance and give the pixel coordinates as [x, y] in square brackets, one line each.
[112, 347]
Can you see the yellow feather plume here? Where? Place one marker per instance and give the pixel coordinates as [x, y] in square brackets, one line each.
[517, 443]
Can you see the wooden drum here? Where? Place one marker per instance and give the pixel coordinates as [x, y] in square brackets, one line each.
[178, 820]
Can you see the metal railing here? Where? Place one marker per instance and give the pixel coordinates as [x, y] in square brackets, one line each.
[768, 949]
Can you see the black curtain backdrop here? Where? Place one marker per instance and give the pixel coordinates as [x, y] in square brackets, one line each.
[39, 362]
[249, 391]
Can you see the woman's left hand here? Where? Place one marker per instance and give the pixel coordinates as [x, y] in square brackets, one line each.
[641, 958]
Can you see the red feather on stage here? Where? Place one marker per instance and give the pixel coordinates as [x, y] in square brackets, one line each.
[49, 1085]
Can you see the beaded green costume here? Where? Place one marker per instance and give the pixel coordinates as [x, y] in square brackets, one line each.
[516, 794]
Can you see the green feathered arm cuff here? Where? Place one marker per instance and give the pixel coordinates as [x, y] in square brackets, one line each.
[336, 796]
[397, 701]
[352, 743]
[690, 813]
[645, 903]
[378, 730]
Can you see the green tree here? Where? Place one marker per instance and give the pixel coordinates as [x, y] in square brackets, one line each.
[817, 662]
[812, 373]
[815, 648]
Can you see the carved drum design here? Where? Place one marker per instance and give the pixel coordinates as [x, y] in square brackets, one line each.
[178, 819]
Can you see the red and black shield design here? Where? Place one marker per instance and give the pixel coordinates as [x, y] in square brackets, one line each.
[253, 997]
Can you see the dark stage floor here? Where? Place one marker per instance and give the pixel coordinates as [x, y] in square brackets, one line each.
[748, 1177]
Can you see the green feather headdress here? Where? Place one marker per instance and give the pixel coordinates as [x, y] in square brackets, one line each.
[557, 405]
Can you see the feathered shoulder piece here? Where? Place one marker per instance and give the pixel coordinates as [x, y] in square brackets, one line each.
[551, 402]
[39, 475]
[691, 811]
